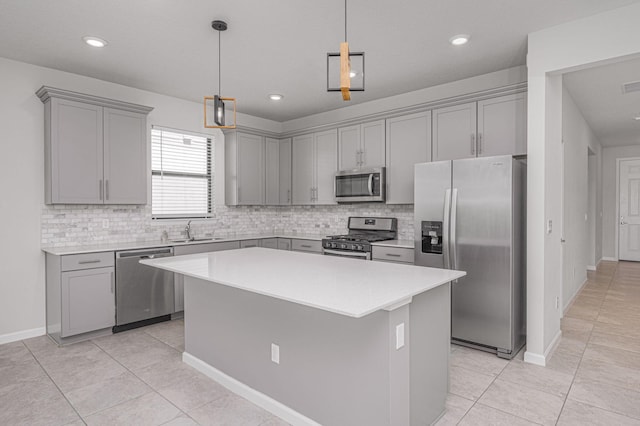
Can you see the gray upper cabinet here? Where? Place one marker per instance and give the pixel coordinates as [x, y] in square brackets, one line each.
[408, 142]
[361, 146]
[95, 149]
[502, 125]
[244, 169]
[496, 126]
[454, 132]
[314, 164]
[277, 171]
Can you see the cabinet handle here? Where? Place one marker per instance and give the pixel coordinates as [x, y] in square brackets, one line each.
[100, 188]
[310, 194]
[315, 194]
[288, 195]
[479, 143]
[106, 190]
[363, 157]
[473, 144]
[393, 255]
[239, 198]
[305, 245]
[85, 262]
[113, 282]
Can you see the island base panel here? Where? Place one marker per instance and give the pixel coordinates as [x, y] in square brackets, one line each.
[333, 369]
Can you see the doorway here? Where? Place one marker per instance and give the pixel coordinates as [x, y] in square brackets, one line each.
[629, 209]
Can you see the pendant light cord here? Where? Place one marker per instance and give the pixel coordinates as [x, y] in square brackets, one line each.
[345, 21]
[219, 64]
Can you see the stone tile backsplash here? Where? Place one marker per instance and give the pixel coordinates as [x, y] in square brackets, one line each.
[71, 225]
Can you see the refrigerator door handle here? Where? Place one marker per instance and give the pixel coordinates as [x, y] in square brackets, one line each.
[454, 244]
[445, 229]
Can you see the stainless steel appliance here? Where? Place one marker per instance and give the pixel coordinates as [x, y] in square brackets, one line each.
[144, 295]
[470, 216]
[360, 185]
[362, 232]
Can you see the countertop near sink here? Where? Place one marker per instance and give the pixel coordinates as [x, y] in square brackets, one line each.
[94, 248]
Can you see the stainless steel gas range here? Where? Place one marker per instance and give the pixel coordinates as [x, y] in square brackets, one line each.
[362, 232]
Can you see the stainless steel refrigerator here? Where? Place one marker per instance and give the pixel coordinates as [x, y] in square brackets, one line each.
[470, 215]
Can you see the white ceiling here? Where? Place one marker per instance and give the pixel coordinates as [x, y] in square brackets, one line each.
[610, 113]
[168, 46]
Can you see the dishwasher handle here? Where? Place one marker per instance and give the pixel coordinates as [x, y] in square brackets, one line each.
[145, 254]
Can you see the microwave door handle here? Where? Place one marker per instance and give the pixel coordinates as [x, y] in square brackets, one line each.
[370, 184]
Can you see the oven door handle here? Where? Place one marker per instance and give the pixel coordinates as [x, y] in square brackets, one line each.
[346, 253]
[370, 184]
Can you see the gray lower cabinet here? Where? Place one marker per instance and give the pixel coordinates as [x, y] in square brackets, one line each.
[250, 243]
[95, 149]
[392, 254]
[311, 246]
[284, 244]
[271, 243]
[192, 249]
[80, 294]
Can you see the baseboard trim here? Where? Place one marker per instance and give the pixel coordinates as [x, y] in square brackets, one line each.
[573, 298]
[21, 335]
[592, 268]
[277, 408]
[610, 259]
[541, 360]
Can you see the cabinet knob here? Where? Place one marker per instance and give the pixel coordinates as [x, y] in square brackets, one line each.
[473, 144]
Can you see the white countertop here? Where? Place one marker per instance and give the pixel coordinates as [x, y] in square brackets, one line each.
[409, 244]
[350, 287]
[94, 248]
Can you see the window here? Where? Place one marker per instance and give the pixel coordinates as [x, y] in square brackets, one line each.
[181, 174]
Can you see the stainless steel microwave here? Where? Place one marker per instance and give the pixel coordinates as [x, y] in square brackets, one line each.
[360, 185]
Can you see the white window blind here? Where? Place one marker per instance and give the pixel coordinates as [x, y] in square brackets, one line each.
[181, 174]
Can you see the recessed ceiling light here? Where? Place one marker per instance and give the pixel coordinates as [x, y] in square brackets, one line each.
[460, 39]
[637, 118]
[275, 97]
[95, 41]
[352, 74]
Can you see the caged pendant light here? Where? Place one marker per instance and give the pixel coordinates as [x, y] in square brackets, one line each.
[345, 70]
[216, 104]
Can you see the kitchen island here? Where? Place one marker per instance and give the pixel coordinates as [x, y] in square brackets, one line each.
[320, 339]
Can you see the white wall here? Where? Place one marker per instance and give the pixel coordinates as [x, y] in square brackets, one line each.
[609, 181]
[578, 139]
[22, 289]
[606, 37]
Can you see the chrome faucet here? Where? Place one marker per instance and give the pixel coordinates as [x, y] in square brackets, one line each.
[187, 230]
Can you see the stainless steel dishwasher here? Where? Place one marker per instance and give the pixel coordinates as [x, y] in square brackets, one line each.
[144, 295]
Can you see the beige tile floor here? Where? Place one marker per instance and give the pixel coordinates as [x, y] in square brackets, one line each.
[138, 378]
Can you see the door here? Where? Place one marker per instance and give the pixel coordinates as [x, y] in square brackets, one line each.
[454, 132]
[349, 149]
[285, 172]
[302, 169]
[408, 142]
[326, 156]
[373, 135]
[125, 157]
[629, 228]
[77, 153]
[481, 234]
[88, 301]
[272, 171]
[502, 125]
[431, 211]
[250, 169]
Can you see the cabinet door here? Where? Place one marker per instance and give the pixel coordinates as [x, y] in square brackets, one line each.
[326, 154]
[502, 125]
[250, 169]
[408, 143]
[250, 243]
[349, 148]
[88, 300]
[272, 171]
[75, 137]
[373, 136]
[125, 157]
[454, 132]
[284, 244]
[285, 172]
[271, 243]
[302, 169]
